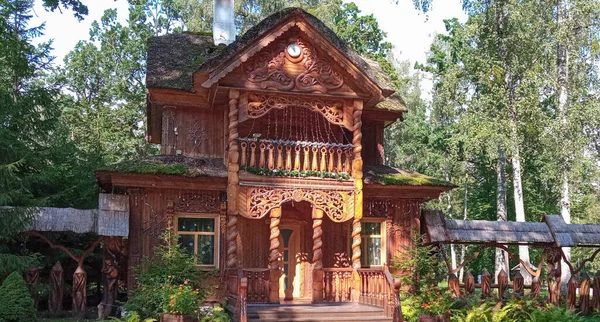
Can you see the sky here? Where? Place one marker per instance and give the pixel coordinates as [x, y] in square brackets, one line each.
[410, 31]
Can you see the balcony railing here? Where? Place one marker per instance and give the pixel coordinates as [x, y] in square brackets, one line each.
[295, 158]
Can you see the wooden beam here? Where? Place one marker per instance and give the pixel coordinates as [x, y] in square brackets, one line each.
[110, 179]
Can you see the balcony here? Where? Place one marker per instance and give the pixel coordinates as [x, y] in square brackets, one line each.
[286, 158]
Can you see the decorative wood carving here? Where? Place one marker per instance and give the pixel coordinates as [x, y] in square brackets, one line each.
[57, 279]
[357, 174]
[79, 292]
[32, 277]
[315, 73]
[378, 208]
[260, 104]
[317, 215]
[596, 288]
[571, 293]
[502, 283]
[518, 284]
[197, 134]
[469, 282]
[338, 205]
[536, 287]
[454, 285]
[274, 256]
[584, 295]
[232, 233]
[486, 284]
[233, 165]
[203, 202]
[553, 269]
[110, 270]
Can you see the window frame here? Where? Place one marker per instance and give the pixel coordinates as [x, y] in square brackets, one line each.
[382, 236]
[216, 234]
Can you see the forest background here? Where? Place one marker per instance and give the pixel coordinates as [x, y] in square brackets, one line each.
[514, 119]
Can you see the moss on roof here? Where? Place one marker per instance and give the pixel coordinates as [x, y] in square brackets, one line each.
[173, 165]
[381, 174]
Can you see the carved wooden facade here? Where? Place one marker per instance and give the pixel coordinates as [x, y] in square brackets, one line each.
[291, 117]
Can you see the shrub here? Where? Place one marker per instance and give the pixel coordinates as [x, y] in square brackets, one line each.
[16, 304]
[182, 299]
[217, 314]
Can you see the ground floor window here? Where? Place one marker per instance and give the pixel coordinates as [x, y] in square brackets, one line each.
[372, 250]
[199, 236]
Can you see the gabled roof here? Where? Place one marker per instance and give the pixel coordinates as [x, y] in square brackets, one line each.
[174, 58]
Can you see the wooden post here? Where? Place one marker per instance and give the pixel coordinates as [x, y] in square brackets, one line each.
[486, 284]
[469, 282]
[502, 283]
[584, 295]
[233, 168]
[518, 281]
[79, 292]
[454, 285]
[536, 287]
[243, 302]
[57, 279]
[110, 271]
[596, 288]
[397, 304]
[274, 272]
[571, 293]
[317, 215]
[357, 174]
[32, 277]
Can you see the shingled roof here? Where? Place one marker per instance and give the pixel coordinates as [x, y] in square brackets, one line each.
[552, 231]
[174, 58]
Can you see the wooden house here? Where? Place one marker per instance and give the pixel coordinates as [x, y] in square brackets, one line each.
[272, 161]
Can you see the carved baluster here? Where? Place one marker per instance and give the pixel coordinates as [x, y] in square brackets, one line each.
[244, 160]
[469, 282]
[335, 287]
[253, 154]
[486, 284]
[340, 166]
[317, 215]
[57, 279]
[280, 157]
[274, 256]
[315, 162]
[571, 293]
[347, 165]
[518, 282]
[262, 158]
[397, 316]
[32, 277]
[502, 283]
[584, 295]
[271, 156]
[454, 285]
[297, 157]
[331, 161]
[288, 157]
[243, 301]
[323, 165]
[596, 288]
[79, 292]
[536, 287]
[306, 159]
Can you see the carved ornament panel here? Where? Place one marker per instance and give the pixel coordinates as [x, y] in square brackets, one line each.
[338, 205]
[204, 202]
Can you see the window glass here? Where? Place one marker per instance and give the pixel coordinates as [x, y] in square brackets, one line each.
[371, 244]
[206, 249]
[370, 228]
[196, 224]
[197, 236]
[187, 242]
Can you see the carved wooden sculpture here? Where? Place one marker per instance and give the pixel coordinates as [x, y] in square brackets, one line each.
[536, 287]
[518, 284]
[454, 285]
[233, 179]
[469, 282]
[486, 284]
[110, 271]
[596, 288]
[274, 256]
[502, 283]
[57, 279]
[571, 293]
[553, 271]
[584, 295]
[79, 292]
[358, 184]
[317, 215]
[32, 277]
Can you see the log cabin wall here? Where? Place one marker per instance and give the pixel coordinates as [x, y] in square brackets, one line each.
[148, 218]
[336, 243]
[196, 132]
[253, 242]
[373, 152]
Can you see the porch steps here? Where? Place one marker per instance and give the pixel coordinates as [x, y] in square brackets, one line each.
[307, 312]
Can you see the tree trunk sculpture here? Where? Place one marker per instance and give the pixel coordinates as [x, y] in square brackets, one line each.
[57, 279]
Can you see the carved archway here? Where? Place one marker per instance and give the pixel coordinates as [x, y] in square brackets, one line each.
[257, 202]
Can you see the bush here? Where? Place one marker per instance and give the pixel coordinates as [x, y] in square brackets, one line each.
[170, 265]
[16, 304]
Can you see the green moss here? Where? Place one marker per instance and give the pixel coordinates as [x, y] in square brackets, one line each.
[150, 168]
[412, 179]
[294, 173]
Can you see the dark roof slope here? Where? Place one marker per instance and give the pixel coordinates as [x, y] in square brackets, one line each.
[173, 59]
[370, 68]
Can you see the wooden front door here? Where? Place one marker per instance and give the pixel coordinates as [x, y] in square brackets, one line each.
[291, 268]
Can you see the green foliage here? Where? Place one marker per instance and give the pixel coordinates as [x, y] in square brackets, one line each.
[295, 173]
[169, 265]
[133, 317]
[179, 299]
[413, 179]
[16, 304]
[150, 167]
[217, 314]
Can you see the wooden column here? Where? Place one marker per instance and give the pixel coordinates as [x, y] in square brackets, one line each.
[274, 272]
[469, 281]
[317, 215]
[502, 283]
[518, 284]
[57, 279]
[357, 174]
[486, 284]
[79, 292]
[233, 168]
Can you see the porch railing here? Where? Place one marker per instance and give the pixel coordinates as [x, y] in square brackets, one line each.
[337, 284]
[379, 288]
[295, 158]
[237, 299]
[258, 284]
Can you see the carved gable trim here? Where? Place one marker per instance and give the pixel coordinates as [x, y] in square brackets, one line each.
[203, 202]
[257, 202]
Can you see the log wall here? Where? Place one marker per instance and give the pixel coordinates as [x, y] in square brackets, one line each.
[196, 132]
